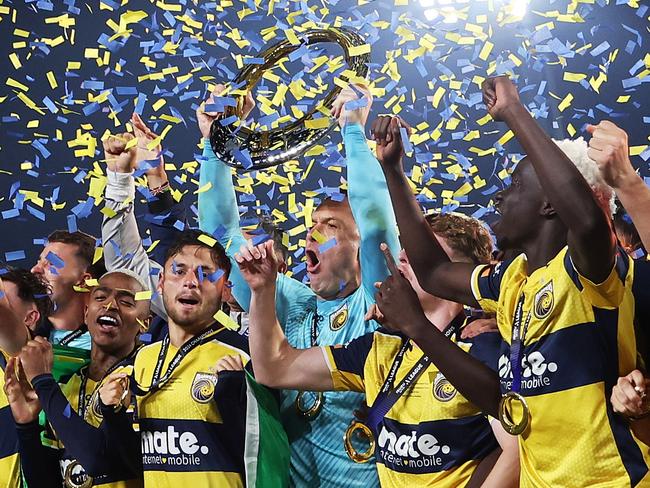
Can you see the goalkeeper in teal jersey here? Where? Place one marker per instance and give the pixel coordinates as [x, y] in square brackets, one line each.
[343, 261]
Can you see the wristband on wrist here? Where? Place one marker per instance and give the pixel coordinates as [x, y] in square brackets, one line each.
[159, 189]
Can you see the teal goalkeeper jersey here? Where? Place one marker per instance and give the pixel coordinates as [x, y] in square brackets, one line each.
[318, 456]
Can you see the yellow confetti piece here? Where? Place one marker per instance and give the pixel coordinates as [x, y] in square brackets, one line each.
[623, 99]
[291, 37]
[359, 50]
[224, 319]
[92, 282]
[52, 80]
[321, 123]
[16, 84]
[573, 77]
[318, 237]
[159, 104]
[13, 57]
[207, 240]
[565, 103]
[204, 188]
[143, 295]
[485, 52]
[437, 96]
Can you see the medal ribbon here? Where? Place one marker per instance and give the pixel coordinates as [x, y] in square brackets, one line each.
[75, 334]
[387, 397]
[158, 381]
[82, 404]
[516, 343]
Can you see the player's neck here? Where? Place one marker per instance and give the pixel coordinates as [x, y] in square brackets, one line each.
[180, 335]
[69, 316]
[101, 360]
[550, 240]
[441, 312]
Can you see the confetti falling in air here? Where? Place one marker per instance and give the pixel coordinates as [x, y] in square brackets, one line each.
[75, 71]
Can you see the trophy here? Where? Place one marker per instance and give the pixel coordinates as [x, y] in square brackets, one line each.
[269, 148]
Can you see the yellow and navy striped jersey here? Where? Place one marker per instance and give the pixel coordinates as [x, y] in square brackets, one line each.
[432, 436]
[193, 428]
[579, 340]
[9, 459]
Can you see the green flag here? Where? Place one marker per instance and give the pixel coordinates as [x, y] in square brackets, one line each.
[266, 451]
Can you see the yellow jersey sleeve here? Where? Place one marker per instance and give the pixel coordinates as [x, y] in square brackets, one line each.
[608, 294]
[486, 284]
[347, 363]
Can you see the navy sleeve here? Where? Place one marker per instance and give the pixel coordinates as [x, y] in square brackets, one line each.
[351, 358]
[40, 464]
[163, 217]
[486, 347]
[122, 441]
[84, 442]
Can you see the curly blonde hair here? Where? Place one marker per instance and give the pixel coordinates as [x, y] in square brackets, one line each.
[465, 235]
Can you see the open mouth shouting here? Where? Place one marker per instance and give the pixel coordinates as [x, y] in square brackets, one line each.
[108, 322]
[313, 263]
[189, 301]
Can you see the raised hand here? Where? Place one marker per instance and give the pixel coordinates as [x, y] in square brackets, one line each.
[386, 133]
[352, 105]
[36, 358]
[156, 175]
[258, 264]
[205, 119]
[115, 390]
[629, 395]
[22, 398]
[499, 95]
[118, 157]
[608, 147]
[397, 301]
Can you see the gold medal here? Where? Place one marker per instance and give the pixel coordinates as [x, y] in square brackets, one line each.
[506, 416]
[364, 432]
[78, 479]
[311, 412]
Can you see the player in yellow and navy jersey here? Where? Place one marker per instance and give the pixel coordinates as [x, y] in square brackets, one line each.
[564, 305]
[78, 450]
[430, 435]
[191, 411]
[24, 300]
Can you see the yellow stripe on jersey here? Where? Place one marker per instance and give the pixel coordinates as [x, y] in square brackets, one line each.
[186, 438]
[432, 436]
[580, 339]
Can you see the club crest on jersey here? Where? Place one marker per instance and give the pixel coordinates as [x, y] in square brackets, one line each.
[544, 301]
[339, 318]
[94, 406]
[442, 389]
[203, 387]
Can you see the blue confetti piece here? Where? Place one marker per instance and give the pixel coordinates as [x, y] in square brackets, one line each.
[67, 411]
[72, 223]
[139, 107]
[10, 214]
[408, 147]
[55, 260]
[601, 48]
[326, 246]
[253, 60]
[229, 120]
[199, 271]
[14, 255]
[216, 276]
[179, 225]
